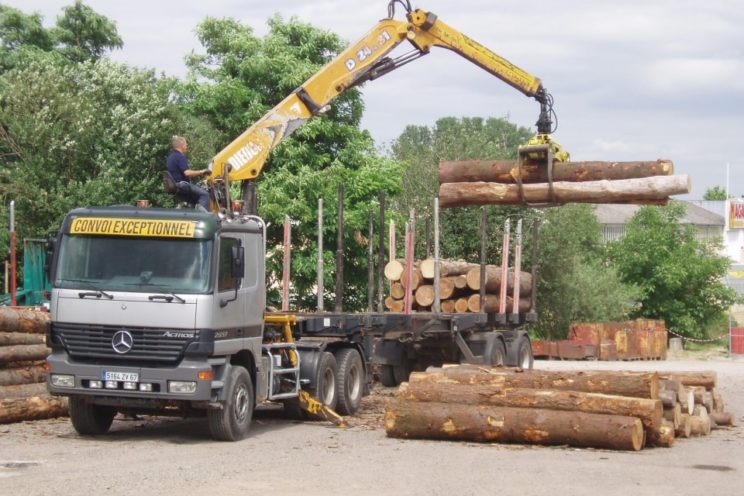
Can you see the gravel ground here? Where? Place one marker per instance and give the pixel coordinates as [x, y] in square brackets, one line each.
[168, 456]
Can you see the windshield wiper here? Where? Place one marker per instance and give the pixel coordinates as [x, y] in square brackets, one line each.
[167, 294]
[98, 291]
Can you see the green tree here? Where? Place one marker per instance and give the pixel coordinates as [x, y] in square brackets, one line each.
[716, 193]
[95, 133]
[83, 34]
[240, 78]
[574, 281]
[681, 278]
[80, 34]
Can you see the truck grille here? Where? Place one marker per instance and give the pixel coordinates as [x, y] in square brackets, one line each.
[88, 343]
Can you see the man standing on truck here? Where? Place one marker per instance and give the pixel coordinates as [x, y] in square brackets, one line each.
[178, 167]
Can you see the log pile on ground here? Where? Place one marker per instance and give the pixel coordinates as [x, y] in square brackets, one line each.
[459, 287]
[490, 182]
[597, 409]
[23, 393]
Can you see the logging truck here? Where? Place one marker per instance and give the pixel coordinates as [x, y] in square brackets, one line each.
[164, 310]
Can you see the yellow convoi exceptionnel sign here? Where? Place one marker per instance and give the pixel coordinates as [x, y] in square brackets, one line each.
[118, 226]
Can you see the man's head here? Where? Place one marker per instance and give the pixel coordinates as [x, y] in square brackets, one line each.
[179, 143]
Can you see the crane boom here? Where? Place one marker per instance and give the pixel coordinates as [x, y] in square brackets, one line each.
[367, 59]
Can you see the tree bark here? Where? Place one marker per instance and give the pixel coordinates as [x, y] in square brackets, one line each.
[25, 375]
[654, 190]
[14, 338]
[413, 419]
[717, 401]
[446, 267]
[674, 415]
[622, 383]
[34, 408]
[723, 419]
[23, 320]
[506, 171]
[492, 304]
[23, 390]
[668, 398]
[648, 410]
[686, 400]
[707, 379]
[493, 280]
[23, 353]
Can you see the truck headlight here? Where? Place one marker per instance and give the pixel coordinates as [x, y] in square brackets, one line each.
[61, 380]
[182, 387]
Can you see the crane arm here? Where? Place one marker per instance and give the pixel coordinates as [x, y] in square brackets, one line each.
[365, 60]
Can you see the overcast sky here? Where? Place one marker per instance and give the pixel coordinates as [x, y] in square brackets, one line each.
[632, 80]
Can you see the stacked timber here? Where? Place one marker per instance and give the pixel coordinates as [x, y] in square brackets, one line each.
[598, 409]
[459, 287]
[23, 393]
[489, 182]
[692, 404]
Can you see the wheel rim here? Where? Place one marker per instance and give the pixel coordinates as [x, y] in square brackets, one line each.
[524, 359]
[240, 408]
[328, 387]
[354, 384]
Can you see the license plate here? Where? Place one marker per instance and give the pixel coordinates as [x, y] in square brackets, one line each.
[120, 376]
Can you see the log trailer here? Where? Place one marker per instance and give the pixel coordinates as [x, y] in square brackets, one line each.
[164, 310]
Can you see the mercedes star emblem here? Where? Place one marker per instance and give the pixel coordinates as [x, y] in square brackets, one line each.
[122, 342]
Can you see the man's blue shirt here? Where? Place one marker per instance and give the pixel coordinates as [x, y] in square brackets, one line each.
[177, 165]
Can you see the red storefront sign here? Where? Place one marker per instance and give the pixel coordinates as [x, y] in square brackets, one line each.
[736, 215]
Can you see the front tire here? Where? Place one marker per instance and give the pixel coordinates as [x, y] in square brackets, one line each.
[525, 358]
[351, 380]
[496, 353]
[233, 421]
[89, 419]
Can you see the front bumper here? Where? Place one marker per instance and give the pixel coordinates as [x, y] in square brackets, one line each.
[187, 370]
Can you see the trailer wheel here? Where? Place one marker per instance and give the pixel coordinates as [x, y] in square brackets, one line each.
[89, 419]
[232, 422]
[325, 381]
[525, 359]
[496, 353]
[350, 380]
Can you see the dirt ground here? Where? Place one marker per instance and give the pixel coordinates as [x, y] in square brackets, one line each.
[167, 456]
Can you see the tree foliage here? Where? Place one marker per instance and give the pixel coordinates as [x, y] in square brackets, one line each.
[240, 78]
[681, 278]
[716, 193]
[575, 283]
[80, 34]
[72, 135]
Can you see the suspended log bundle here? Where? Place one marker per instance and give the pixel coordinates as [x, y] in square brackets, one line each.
[481, 182]
[23, 392]
[654, 190]
[507, 171]
[459, 287]
[601, 409]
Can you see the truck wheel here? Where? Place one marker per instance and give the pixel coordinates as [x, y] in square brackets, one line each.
[89, 419]
[496, 353]
[525, 359]
[387, 377]
[325, 381]
[350, 380]
[232, 422]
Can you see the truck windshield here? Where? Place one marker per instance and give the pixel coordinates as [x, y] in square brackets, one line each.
[113, 263]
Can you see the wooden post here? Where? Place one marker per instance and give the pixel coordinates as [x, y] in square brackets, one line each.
[410, 239]
[437, 291]
[381, 255]
[532, 314]
[483, 220]
[12, 255]
[340, 251]
[517, 271]
[504, 268]
[370, 266]
[287, 258]
[321, 268]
